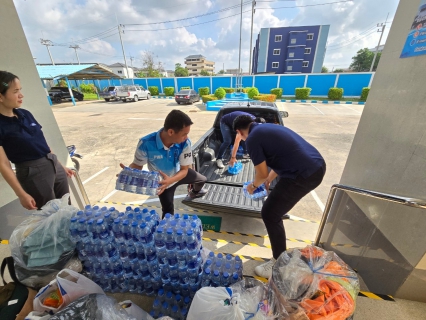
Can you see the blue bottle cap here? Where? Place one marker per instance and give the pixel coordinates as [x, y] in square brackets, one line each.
[185, 217]
[228, 266]
[121, 214]
[225, 274]
[144, 210]
[153, 212]
[178, 297]
[237, 266]
[208, 262]
[165, 305]
[169, 294]
[235, 276]
[193, 225]
[148, 219]
[183, 224]
[88, 213]
[175, 309]
[220, 256]
[100, 221]
[82, 220]
[112, 209]
[211, 254]
[90, 221]
[228, 257]
[237, 258]
[179, 232]
[194, 217]
[137, 210]
[156, 302]
[167, 216]
[169, 231]
[216, 273]
[134, 224]
[163, 223]
[183, 311]
[173, 223]
[142, 225]
[79, 213]
[160, 292]
[96, 208]
[125, 222]
[177, 216]
[117, 221]
[189, 233]
[139, 217]
[73, 219]
[130, 216]
[104, 209]
[218, 264]
[87, 206]
[107, 215]
[207, 271]
[159, 230]
[128, 208]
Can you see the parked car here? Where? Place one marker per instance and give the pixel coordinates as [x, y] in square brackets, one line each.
[225, 193]
[133, 93]
[110, 93]
[57, 94]
[187, 96]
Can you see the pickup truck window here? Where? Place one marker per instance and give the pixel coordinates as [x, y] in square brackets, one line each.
[110, 89]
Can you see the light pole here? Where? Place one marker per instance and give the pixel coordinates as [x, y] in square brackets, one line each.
[253, 4]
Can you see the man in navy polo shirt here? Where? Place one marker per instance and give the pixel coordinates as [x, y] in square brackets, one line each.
[297, 163]
[169, 152]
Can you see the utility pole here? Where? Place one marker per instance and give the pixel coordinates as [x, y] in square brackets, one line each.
[239, 57]
[383, 25]
[131, 61]
[122, 48]
[223, 67]
[47, 43]
[75, 47]
[253, 4]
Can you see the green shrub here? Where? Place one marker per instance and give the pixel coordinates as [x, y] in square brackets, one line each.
[87, 88]
[153, 90]
[169, 91]
[62, 83]
[251, 92]
[335, 93]
[278, 92]
[220, 93]
[364, 94]
[209, 97]
[229, 90]
[302, 93]
[266, 97]
[185, 88]
[204, 91]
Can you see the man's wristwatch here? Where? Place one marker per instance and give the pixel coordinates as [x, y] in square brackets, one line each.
[252, 184]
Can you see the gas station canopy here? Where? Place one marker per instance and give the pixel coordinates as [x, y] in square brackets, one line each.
[75, 72]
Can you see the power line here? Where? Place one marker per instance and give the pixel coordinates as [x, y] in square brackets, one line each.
[353, 41]
[310, 5]
[112, 29]
[189, 18]
[353, 38]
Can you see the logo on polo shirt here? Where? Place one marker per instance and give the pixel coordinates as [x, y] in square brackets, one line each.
[156, 157]
[186, 155]
[33, 124]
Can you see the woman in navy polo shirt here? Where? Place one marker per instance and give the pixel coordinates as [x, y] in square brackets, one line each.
[39, 175]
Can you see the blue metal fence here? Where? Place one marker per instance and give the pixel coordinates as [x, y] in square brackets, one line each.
[352, 83]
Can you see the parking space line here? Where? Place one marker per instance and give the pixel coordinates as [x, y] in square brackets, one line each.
[317, 109]
[318, 201]
[95, 175]
[108, 195]
[352, 109]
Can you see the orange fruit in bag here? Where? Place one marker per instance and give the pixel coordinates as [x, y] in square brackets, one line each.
[54, 299]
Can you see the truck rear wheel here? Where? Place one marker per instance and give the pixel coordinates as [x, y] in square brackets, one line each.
[57, 99]
[107, 100]
[135, 98]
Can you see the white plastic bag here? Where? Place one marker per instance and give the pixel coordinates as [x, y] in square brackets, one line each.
[71, 285]
[215, 304]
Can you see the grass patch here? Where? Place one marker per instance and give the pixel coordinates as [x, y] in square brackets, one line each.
[325, 98]
[90, 96]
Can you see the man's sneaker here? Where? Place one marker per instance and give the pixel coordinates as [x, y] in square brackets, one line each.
[265, 270]
[220, 164]
[193, 194]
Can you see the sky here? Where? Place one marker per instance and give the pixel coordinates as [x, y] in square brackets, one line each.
[174, 29]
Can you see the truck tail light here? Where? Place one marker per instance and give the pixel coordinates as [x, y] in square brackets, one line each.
[186, 97]
[128, 94]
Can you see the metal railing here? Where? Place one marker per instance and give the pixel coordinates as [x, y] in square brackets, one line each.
[80, 198]
[411, 202]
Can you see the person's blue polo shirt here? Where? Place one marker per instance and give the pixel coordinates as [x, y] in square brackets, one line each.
[21, 137]
[153, 152]
[229, 118]
[284, 151]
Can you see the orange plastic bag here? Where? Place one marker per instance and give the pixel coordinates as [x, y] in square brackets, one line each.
[54, 299]
[331, 302]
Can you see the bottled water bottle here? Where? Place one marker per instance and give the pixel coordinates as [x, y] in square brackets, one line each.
[110, 250]
[125, 229]
[82, 231]
[219, 257]
[122, 251]
[104, 210]
[105, 284]
[238, 269]
[170, 241]
[134, 231]
[228, 259]
[140, 251]
[186, 302]
[206, 279]
[114, 213]
[103, 232]
[74, 230]
[161, 295]
[156, 308]
[127, 269]
[156, 178]
[169, 298]
[224, 279]
[207, 264]
[196, 231]
[116, 266]
[133, 285]
[95, 210]
[183, 313]
[150, 224]
[211, 256]
[165, 308]
[106, 270]
[156, 283]
[109, 220]
[235, 278]
[191, 243]
[140, 177]
[144, 270]
[236, 168]
[175, 313]
[123, 179]
[87, 208]
[91, 229]
[160, 247]
[114, 285]
[215, 278]
[123, 283]
[133, 181]
[155, 216]
[131, 253]
[179, 300]
[259, 193]
[145, 234]
[180, 248]
[227, 268]
[117, 232]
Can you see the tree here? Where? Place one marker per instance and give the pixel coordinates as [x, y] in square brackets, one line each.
[324, 69]
[363, 60]
[221, 72]
[338, 71]
[151, 67]
[180, 71]
[204, 73]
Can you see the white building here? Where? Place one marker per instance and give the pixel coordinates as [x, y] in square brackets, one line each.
[120, 70]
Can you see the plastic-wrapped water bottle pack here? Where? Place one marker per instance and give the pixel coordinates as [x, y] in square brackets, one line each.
[259, 193]
[236, 168]
[138, 181]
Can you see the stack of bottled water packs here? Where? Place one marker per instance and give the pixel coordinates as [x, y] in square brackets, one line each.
[236, 168]
[137, 181]
[259, 193]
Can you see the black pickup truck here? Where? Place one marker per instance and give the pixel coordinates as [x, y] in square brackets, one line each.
[57, 94]
[225, 190]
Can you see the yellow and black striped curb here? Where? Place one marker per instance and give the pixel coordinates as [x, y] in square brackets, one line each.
[238, 234]
[254, 244]
[154, 207]
[4, 242]
[364, 294]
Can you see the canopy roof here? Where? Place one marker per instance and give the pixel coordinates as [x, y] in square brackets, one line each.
[75, 72]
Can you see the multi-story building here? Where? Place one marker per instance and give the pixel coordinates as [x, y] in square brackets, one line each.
[120, 70]
[195, 63]
[290, 49]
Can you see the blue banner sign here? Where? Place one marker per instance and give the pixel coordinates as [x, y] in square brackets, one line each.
[416, 40]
